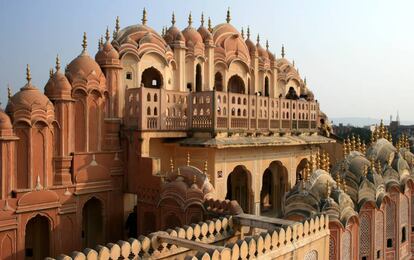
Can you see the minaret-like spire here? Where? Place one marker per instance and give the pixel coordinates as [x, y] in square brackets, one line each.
[242, 32]
[84, 43]
[228, 18]
[28, 74]
[283, 51]
[57, 63]
[202, 19]
[107, 36]
[209, 25]
[304, 81]
[100, 43]
[258, 39]
[248, 32]
[190, 20]
[173, 19]
[293, 63]
[163, 31]
[144, 17]
[51, 73]
[9, 93]
[117, 27]
[267, 45]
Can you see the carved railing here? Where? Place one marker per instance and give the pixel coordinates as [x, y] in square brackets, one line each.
[300, 239]
[160, 109]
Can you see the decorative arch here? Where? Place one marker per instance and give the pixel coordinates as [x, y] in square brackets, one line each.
[92, 223]
[299, 169]
[280, 185]
[266, 86]
[37, 237]
[236, 85]
[199, 78]
[239, 187]
[151, 78]
[218, 81]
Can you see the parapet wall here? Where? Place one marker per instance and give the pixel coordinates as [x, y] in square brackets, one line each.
[302, 239]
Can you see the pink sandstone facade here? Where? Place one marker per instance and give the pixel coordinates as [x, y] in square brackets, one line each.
[168, 123]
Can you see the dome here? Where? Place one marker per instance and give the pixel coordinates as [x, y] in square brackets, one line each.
[58, 86]
[262, 52]
[222, 30]
[83, 65]
[5, 122]
[251, 46]
[174, 35]
[30, 105]
[205, 34]
[135, 33]
[192, 37]
[107, 55]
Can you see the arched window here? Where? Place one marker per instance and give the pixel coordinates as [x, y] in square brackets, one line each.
[266, 87]
[218, 81]
[151, 78]
[199, 79]
[236, 85]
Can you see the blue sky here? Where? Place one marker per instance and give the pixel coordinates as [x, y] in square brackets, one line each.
[358, 56]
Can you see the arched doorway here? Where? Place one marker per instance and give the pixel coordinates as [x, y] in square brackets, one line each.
[280, 187]
[37, 238]
[238, 187]
[236, 85]
[151, 78]
[218, 81]
[267, 194]
[199, 79]
[266, 87]
[299, 169]
[92, 223]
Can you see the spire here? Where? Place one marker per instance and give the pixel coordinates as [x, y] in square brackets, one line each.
[107, 36]
[100, 43]
[57, 63]
[38, 185]
[173, 19]
[304, 81]
[248, 32]
[328, 189]
[293, 63]
[28, 74]
[258, 39]
[9, 93]
[144, 17]
[209, 25]
[267, 45]
[205, 167]
[188, 159]
[194, 179]
[190, 20]
[228, 18]
[117, 27]
[202, 19]
[163, 31]
[242, 32]
[51, 73]
[283, 51]
[84, 43]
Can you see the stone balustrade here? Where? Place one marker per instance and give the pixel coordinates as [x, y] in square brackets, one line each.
[214, 111]
[203, 240]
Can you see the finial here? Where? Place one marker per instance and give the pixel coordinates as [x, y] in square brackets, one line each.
[178, 171]
[228, 18]
[51, 73]
[190, 20]
[328, 189]
[306, 171]
[194, 179]
[242, 33]
[9, 93]
[344, 185]
[283, 51]
[304, 81]
[38, 185]
[338, 181]
[205, 167]
[258, 39]
[117, 27]
[328, 162]
[173, 19]
[28, 74]
[248, 32]
[293, 63]
[100, 43]
[84, 42]
[171, 164]
[210, 29]
[188, 159]
[163, 31]
[202, 19]
[107, 36]
[267, 45]
[144, 17]
[57, 63]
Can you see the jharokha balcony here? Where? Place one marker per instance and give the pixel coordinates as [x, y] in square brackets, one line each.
[150, 109]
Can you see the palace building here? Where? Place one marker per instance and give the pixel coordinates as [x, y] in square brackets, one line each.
[211, 139]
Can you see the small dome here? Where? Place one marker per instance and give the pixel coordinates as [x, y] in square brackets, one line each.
[58, 86]
[5, 122]
[223, 29]
[174, 35]
[84, 65]
[262, 52]
[107, 55]
[205, 34]
[251, 46]
[192, 36]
